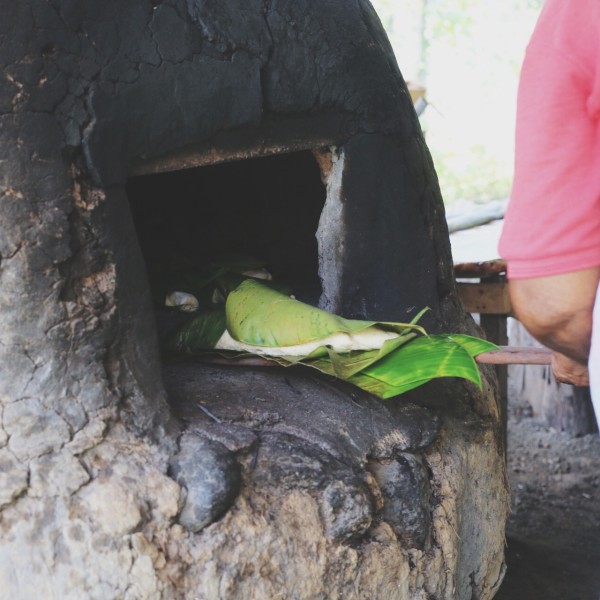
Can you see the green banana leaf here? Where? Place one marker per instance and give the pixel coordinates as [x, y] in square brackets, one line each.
[259, 316]
[429, 357]
[199, 334]
[265, 322]
[345, 366]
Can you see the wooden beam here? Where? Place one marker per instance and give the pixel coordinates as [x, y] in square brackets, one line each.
[486, 298]
[475, 270]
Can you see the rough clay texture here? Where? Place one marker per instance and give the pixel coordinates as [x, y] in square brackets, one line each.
[403, 503]
[93, 475]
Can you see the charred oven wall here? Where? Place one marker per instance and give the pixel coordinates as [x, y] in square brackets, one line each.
[104, 87]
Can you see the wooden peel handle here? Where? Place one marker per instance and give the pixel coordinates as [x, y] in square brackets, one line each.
[505, 355]
[516, 355]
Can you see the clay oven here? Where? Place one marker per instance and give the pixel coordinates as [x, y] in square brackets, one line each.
[281, 128]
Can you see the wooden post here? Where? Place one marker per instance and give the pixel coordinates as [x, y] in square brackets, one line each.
[489, 298]
[495, 327]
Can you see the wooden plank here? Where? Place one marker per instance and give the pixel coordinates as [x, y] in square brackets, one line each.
[203, 155]
[496, 331]
[475, 270]
[485, 298]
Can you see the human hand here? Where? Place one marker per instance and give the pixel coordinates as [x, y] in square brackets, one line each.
[567, 370]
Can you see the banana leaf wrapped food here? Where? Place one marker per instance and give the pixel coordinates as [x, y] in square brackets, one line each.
[383, 358]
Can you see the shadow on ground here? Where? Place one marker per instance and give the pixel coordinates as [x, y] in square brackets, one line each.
[553, 534]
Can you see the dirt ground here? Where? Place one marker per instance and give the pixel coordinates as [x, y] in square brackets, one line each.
[553, 535]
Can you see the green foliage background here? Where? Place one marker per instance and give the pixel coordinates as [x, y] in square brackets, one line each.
[468, 54]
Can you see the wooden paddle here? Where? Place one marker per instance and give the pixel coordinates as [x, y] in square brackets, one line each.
[516, 355]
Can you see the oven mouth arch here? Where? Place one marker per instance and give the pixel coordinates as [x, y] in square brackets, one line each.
[265, 204]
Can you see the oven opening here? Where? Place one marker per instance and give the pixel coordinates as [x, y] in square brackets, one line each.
[266, 209]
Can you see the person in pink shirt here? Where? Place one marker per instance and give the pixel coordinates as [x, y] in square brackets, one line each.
[551, 232]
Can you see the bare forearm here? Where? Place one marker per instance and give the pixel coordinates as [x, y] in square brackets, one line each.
[557, 310]
[570, 335]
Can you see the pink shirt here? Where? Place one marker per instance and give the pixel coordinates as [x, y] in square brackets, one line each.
[552, 224]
